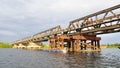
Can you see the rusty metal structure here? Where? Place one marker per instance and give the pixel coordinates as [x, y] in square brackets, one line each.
[81, 34]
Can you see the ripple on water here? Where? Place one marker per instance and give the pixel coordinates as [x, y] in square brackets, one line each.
[18, 58]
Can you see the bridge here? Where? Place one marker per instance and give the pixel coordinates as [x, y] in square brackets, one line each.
[80, 35]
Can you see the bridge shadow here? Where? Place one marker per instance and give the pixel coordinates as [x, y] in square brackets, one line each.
[82, 59]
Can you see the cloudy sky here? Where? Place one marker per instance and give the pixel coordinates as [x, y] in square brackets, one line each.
[22, 18]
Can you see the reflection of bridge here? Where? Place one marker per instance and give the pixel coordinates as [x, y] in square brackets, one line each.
[81, 34]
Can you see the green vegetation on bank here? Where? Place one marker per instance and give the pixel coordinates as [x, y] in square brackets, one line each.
[116, 45]
[5, 45]
[45, 46]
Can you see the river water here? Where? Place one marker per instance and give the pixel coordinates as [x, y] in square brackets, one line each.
[19, 58]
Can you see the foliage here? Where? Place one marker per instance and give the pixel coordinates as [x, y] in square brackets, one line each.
[5, 45]
[45, 46]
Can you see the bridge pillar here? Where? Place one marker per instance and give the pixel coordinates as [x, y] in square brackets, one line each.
[58, 45]
[34, 46]
[76, 42]
[81, 45]
[98, 45]
[82, 42]
[92, 43]
[77, 45]
[52, 43]
[15, 46]
[84, 46]
[21, 46]
[95, 44]
[72, 46]
[62, 44]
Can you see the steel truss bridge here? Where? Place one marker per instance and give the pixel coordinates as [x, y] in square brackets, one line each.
[80, 31]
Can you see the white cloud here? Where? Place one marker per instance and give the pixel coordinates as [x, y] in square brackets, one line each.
[27, 17]
[7, 33]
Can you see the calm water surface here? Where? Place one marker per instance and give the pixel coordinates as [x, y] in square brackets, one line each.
[18, 58]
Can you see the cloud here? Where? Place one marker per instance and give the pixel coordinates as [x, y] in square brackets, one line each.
[27, 17]
[110, 38]
[7, 33]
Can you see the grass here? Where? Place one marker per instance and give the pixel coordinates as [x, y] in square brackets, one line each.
[5, 45]
[44, 46]
[116, 45]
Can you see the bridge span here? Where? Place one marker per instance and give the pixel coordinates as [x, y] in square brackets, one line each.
[80, 35]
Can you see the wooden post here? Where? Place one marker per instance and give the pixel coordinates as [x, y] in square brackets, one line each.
[68, 45]
[58, 45]
[81, 45]
[98, 43]
[49, 43]
[74, 45]
[95, 44]
[78, 45]
[62, 43]
[92, 43]
[85, 45]
[54, 43]
[71, 45]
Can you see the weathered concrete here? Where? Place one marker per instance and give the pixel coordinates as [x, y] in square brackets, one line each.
[21, 46]
[33, 46]
[15, 46]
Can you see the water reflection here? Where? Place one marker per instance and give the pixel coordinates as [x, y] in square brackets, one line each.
[16, 58]
[91, 59]
[80, 59]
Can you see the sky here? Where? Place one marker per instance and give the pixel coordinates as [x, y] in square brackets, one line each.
[22, 18]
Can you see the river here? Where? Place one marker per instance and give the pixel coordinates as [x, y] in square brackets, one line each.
[19, 58]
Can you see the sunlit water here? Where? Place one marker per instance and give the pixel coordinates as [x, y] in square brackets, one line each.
[18, 58]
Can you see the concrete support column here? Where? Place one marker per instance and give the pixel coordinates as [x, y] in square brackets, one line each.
[21, 46]
[15, 46]
[33, 46]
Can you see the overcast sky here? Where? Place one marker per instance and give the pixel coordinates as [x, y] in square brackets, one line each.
[22, 18]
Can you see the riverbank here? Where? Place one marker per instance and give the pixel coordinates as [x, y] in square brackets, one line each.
[5, 45]
[116, 45]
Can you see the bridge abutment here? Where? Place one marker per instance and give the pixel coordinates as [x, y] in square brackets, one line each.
[15, 46]
[33, 46]
[21, 46]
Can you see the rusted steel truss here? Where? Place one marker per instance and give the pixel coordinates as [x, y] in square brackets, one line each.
[42, 36]
[105, 21]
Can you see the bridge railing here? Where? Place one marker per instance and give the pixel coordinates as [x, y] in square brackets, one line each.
[95, 18]
[44, 34]
[107, 20]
